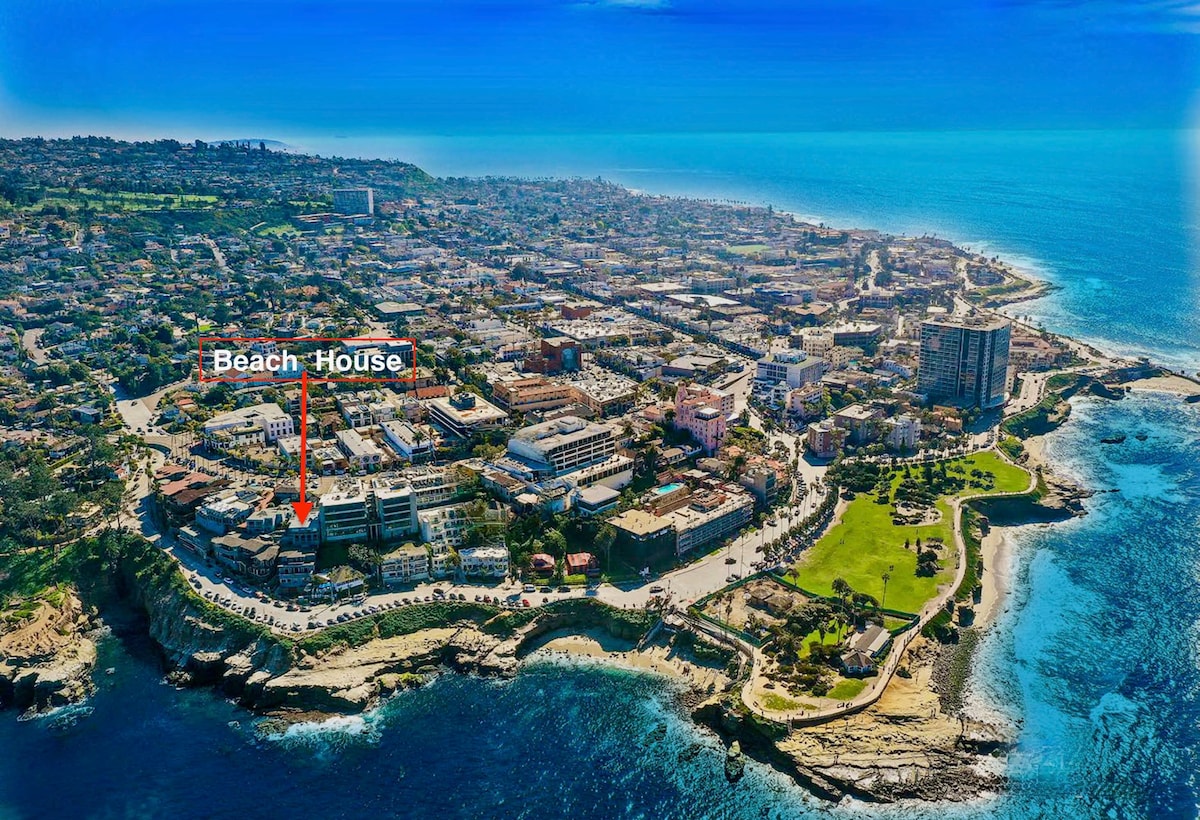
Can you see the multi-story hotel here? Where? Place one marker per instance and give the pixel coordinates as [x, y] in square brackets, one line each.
[704, 412]
[531, 393]
[795, 368]
[563, 445]
[464, 412]
[964, 361]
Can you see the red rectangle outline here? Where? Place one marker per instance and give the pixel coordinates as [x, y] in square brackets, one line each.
[250, 382]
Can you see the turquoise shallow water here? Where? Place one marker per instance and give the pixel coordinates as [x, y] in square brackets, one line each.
[1095, 660]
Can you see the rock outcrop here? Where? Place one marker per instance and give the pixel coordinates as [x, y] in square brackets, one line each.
[902, 747]
[46, 659]
[1056, 500]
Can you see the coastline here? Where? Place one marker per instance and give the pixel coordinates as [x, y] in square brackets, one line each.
[658, 656]
[906, 701]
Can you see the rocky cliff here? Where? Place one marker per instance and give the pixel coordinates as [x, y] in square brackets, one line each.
[902, 747]
[46, 659]
[343, 669]
[1056, 499]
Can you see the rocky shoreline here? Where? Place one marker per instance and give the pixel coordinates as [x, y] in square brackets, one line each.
[914, 743]
[46, 656]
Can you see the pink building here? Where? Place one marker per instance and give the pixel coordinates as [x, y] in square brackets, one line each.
[702, 412]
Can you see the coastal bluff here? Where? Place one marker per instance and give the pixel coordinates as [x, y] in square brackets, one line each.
[906, 746]
[342, 669]
[46, 658]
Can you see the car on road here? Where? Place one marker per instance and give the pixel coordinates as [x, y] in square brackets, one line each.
[529, 588]
[525, 602]
[731, 560]
[657, 588]
[564, 588]
[733, 576]
[544, 589]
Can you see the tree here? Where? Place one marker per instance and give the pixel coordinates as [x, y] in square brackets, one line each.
[842, 590]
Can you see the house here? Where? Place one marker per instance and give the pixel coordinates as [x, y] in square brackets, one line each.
[857, 662]
[252, 557]
[87, 414]
[865, 649]
[582, 563]
[542, 563]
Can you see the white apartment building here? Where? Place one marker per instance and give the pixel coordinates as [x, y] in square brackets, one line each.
[404, 565]
[563, 445]
[407, 439]
[491, 562]
[268, 417]
[360, 452]
[902, 432]
[710, 517]
[444, 525]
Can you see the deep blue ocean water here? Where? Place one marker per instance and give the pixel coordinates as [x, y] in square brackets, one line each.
[1096, 659]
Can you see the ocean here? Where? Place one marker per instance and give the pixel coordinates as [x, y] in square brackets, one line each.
[1095, 659]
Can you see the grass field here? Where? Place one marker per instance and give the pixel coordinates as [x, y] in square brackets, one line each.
[277, 230]
[846, 689]
[746, 250]
[780, 703]
[124, 200]
[865, 544]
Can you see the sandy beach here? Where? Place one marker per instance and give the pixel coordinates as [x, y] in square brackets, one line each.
[996, 550]
[1176, 385]
[659, 657]
[996, 580]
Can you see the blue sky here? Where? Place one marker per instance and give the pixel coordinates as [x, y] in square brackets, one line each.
[218, 68]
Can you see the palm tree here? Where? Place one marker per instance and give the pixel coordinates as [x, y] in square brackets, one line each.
[735, 467]
[842, 590]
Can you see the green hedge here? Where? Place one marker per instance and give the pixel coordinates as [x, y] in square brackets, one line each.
[395, 622]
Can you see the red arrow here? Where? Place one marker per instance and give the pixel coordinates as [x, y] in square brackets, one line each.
[302, 507]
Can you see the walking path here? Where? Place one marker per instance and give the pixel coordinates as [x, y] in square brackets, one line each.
[875, 688]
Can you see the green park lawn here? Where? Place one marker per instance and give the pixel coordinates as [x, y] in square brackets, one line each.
[127, 200]
[846, 689]
[865, 544]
